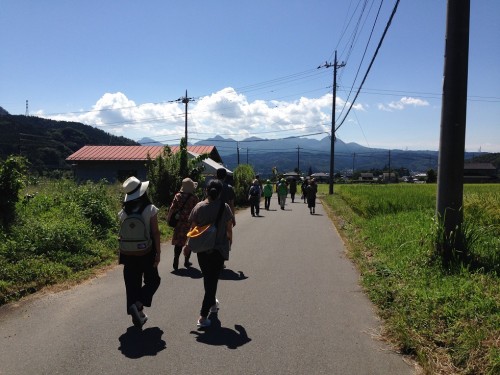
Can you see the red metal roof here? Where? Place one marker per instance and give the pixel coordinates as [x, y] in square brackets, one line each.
[129, 152]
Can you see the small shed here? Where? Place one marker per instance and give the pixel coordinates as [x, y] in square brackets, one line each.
[480, 172]
[116, 163]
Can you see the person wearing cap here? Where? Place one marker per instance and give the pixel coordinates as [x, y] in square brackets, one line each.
[268, 193]
[282, 192]
[183, 203]
[139, 267]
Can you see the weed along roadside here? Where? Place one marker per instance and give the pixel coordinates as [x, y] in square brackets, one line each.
[447, 317]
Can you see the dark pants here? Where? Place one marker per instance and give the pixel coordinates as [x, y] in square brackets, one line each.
[178, 251]
[267, 202]
[211, 264]
[135, 269]
[292, 195]
[254, 205]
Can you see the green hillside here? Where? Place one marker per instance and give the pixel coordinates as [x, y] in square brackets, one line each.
[47, 143]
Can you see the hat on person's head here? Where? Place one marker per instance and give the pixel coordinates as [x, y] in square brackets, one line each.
[221, 173]
[134, 188]
[188, 186]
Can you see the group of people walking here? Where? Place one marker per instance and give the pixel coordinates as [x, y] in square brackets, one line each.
[141, 266]
[283, 188]
[140, 251]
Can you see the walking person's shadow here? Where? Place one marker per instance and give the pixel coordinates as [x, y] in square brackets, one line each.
[136, 343]
[222, 336]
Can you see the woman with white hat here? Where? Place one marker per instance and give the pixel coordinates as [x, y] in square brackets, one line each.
[145, 265]
[182, 204]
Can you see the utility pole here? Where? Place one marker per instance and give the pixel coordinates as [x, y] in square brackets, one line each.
[450, 187]
[186, 100]
[353, 160]
[332, 141]
[238, 151]
[298, 159]
[184, 161]
[389, 166]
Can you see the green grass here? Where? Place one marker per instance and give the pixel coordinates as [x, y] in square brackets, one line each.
[449, 319]
[65, 232]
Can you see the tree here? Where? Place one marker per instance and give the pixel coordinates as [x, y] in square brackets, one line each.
[13, 176]
[431, 176]
[164, 173]
[242, 176]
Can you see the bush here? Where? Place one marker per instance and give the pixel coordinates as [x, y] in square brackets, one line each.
[243, 176]
[12, 179]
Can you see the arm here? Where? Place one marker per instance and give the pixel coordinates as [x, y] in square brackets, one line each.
[229, 231]
[156, 238]
[231, 206]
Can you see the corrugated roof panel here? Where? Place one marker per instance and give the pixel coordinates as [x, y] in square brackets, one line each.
[128, 152]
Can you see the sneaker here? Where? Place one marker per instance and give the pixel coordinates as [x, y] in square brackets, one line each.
[215, 308]
[138, 317]
[203, 323]
[187, 263]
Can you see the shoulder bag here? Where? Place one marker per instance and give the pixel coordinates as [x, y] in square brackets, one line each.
[203, 238]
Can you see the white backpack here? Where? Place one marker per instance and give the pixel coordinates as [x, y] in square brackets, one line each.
[134, 238]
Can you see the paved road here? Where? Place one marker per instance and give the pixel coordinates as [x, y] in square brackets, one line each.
[290, 304]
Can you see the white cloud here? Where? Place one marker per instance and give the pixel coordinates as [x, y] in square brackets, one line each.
[402, 104]
[225, 113]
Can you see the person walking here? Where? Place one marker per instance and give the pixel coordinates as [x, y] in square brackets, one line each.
[268, 193]
[303, 187]
[211, 262]
[254, 194]
[282, 193]
[182, 204]
[143, 266]
[293, 189]
[228, 196]
[311, 190]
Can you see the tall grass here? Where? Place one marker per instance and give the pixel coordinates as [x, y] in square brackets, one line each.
[62, 231]
[450, 321]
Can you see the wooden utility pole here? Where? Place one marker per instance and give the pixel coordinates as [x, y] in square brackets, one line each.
[453, 120]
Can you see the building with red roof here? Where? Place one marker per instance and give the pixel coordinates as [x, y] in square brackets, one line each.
[116, 163]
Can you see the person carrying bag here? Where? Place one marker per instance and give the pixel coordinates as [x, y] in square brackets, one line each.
[211, 213]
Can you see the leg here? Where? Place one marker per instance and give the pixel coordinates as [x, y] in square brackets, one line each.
[177, 253]
[211, 267]
[132, 276]
[151, 280]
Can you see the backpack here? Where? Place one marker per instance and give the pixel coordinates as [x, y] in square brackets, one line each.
[134, 238]
[254, 191]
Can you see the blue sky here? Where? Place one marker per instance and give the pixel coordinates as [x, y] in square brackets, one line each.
[251, 68]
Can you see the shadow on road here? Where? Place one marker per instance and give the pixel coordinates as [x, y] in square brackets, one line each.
[136, 343]
[191, 272]
[222, 336]
[228, 274]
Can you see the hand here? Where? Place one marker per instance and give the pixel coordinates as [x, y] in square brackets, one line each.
[157, 260]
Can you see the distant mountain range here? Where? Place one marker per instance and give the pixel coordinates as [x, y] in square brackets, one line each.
[47, 143]
[311, 154]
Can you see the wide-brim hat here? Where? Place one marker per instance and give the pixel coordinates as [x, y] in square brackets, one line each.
[134, 188]
[188, 186]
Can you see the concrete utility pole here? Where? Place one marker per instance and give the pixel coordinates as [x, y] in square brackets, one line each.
[332, 143]
[453, 120]
[298, 159]
[186, 100]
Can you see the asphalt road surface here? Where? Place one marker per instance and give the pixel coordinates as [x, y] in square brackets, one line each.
[290, 304]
